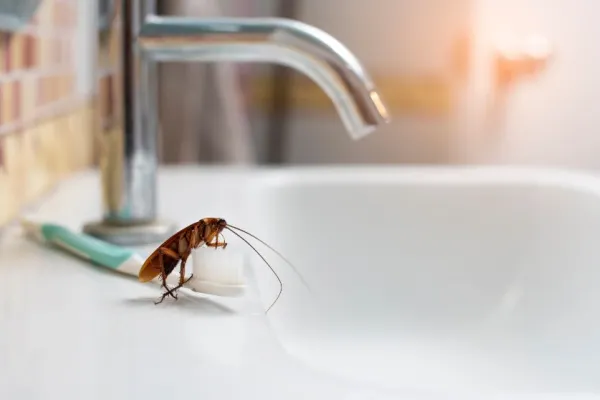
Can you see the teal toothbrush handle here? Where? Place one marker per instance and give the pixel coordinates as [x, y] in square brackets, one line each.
[86, 246]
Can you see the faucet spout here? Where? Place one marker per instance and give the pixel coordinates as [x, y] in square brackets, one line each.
[273, 40]
[129, 158]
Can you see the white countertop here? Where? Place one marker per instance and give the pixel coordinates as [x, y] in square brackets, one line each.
[71, 330]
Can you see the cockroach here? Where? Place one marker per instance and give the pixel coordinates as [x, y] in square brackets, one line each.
[178, 248]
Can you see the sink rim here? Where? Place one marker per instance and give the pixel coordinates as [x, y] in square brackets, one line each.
[428, 174]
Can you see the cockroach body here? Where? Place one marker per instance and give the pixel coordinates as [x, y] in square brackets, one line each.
[178, 248]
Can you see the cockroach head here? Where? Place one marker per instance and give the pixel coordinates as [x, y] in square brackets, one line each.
[217, 224]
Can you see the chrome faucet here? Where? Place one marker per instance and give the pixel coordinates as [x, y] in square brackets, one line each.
[129, 173]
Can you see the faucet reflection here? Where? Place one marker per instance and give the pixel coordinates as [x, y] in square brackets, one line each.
[129, 178]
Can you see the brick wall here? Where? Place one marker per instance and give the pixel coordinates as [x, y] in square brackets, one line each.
[46, 127]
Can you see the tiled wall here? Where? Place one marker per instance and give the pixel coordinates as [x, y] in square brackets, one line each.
[46, 126]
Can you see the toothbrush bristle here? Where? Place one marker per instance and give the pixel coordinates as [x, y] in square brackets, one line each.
[218, 267]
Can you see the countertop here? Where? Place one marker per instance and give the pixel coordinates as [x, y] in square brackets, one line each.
[71, 330]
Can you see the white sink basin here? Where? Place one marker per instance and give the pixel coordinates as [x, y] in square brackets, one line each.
[426, 284]
[439, 280]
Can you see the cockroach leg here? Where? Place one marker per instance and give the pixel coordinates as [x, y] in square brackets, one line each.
[182, 280]
[173, 290]
[217, 244]
[161, 253]
[224, 242]
[182, 270]
[162, 298]
[182, 283]
[165, 294]
[161, 262]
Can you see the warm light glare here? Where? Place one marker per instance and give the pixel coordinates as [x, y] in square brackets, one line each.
[511, 47]
[538, 46]
[506, 45]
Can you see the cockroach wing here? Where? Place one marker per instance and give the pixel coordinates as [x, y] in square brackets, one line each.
[151, 268]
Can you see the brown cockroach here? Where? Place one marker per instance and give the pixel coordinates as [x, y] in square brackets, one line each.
[178, 248]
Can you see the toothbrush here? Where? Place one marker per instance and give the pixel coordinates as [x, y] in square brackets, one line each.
[215, 272]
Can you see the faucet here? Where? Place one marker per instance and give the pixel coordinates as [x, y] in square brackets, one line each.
[129, 161]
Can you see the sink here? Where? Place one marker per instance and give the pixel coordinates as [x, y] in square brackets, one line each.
[423, 283]
[436, 280]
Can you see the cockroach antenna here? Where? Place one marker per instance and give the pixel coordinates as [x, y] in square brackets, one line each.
[232, 229]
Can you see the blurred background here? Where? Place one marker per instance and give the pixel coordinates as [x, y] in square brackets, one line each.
[466, 82]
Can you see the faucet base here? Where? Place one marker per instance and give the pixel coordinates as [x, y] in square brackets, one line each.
[130, 235]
